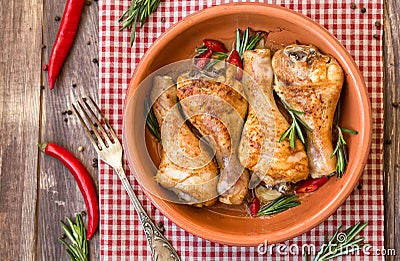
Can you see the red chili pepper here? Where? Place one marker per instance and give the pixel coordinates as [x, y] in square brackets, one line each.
[83, 179]
[254, 207]
[214, 45]
[234, 59]
[65, 37]
[203, 59]
[311, 185]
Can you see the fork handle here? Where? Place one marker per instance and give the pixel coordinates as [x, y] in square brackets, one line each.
[160, 248]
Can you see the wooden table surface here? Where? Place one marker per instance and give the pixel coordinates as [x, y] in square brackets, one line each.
[36, 191]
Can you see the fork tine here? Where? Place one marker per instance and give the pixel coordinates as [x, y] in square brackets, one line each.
[100, 126]
[86, 128]
[94, 129]
[113, 134]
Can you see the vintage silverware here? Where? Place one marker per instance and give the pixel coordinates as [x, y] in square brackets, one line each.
[110, 151]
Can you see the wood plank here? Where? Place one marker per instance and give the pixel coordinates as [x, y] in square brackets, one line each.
[392, 127]
[20, 52]
[59, 196]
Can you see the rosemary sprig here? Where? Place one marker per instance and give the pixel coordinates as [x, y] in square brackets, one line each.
[343, 242]
[216, 58]
[151, 121]
[341, 149]
[138, 12]
[77, 249]
[278, 205]
[294, 129]
[247, 41]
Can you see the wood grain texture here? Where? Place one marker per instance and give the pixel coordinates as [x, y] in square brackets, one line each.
[20, 60]
[59, 195]
[392, 126]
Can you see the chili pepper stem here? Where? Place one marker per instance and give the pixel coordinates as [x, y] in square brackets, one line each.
[42, 146]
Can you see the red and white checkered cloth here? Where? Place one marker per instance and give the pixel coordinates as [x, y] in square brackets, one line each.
[122, 237]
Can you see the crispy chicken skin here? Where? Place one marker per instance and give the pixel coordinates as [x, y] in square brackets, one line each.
[195, 186]
[309, 81]
[217, 110]
[260, 150]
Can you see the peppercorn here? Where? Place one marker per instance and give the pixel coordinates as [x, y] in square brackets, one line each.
[359, 186]
[81, 148]
[65, 120]
[160, 227]
[74, 85]
[353, 6]
[95, 60]
[88, 3]
[375, 36]
[363, 10]
[163, 20]
[377, 24]
[57, 18]
[69, 112]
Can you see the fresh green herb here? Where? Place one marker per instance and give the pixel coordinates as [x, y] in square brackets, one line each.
[247, 41]
[278, 205]
[151, 121]
[294, 128]
[341, 149]
[343, 242]
[201, 49]
[216, 58]
[77, 249]
[138, 12]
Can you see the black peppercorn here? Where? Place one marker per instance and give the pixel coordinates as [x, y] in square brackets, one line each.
[363, 10]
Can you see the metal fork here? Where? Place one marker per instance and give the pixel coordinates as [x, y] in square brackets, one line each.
[109, 148]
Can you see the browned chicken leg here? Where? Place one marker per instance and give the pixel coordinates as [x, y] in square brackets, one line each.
[309, 81]
[260, 150]
[217, 110]
[196, 186]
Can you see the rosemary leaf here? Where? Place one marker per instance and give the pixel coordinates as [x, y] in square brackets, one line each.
[246, 41]
[294, 129]
[349, 131]
[151, 122]
[343, 242]
[340, 150]
[237, 45]
[138, 12]
[278, 205]
[77, 248]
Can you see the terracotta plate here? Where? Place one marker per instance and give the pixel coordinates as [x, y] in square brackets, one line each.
[229, 226]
